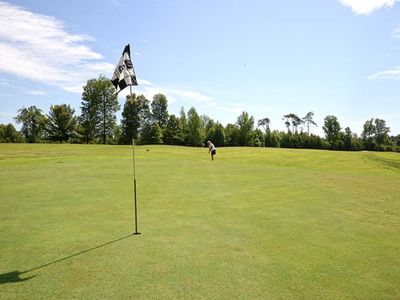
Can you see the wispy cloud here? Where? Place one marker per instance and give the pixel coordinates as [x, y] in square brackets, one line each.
[149, 89]
[387, 74]
[185, 97]
[6, 117]
[366, 7]
[36, 93]
[6, 114]
[396, 33]
[114, 3]
[39, 48]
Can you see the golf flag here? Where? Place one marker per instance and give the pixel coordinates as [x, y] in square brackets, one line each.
[124, 73]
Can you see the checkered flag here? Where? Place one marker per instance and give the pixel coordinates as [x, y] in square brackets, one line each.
[124, 73]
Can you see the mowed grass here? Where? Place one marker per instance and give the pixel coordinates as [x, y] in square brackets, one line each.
[253, 224]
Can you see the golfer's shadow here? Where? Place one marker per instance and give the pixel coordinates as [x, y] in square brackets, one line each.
[13, 277]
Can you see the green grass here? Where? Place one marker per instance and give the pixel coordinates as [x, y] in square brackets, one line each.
[253, 224]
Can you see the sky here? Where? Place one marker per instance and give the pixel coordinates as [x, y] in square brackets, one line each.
[268, 58]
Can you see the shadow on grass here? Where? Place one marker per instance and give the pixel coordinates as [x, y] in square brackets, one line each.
[15, 275]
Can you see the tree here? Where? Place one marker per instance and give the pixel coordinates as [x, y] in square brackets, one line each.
[232, 135]
[245, 124]
[99, 107]
[219, 135]
[209, 128]
[332, 128]
[195, 135]
[8, 134]
[256, 138]
[348, 136]
[135, 114]
[292, 119]
[61, 123]
[368, 134]
[215, 132]
[381, 132]
[264, 123]
[172, 133]
[159, 109]
[183, 125]
[287, 122]
[272, 139]
[151, 134]
[33, 123]
[308, 120]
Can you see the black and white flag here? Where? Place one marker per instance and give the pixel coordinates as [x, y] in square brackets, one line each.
[124, 73]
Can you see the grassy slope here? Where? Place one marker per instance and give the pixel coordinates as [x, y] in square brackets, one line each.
[255, 223]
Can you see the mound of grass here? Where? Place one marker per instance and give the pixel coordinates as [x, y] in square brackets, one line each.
[254, 223]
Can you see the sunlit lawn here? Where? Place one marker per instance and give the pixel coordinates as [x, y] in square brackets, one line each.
[256, 223]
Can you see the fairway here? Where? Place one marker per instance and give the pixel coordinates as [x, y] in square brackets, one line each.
[256, 223]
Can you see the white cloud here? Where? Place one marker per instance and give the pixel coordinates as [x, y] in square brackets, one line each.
[366, 7]
[36, 93]
[39, 48]
[387, 74]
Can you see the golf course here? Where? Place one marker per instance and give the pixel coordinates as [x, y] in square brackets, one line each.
[255, 223]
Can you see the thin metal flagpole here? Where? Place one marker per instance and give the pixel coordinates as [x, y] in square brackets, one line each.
[134, 170]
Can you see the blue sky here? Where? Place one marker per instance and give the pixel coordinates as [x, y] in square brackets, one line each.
[269, 58]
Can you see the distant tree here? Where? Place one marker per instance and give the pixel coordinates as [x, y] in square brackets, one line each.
[292, 119]
[61, 123]
[368, 134]
[348, 136]
[99, 107]
[332, 128]
[8, 134]
[208, 128]
[195, 135]
[135, 114]
[219, 135]
[159, 109]
[245, 124]
[232, 135]
[215, 132]
[33, 123]
[381, 132]
[308, 120]
[396, 142]
[264, 123]
[183, 126]
[116, 138]
[256, 138]
[272, 139]
[151, 134]
[172, 133]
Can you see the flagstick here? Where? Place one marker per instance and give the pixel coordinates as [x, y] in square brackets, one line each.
[134, 171]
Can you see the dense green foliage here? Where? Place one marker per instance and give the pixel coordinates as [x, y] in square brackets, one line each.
[8, 134]
[99, 106]
[256, 223]
[148, 122]
[61, 123]
[33, 123]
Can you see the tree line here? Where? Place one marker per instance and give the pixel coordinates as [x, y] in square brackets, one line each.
[148, 122]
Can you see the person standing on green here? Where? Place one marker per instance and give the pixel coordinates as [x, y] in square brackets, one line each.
[211, 149]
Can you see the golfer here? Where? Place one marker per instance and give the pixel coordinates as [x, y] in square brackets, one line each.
[212, 149]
